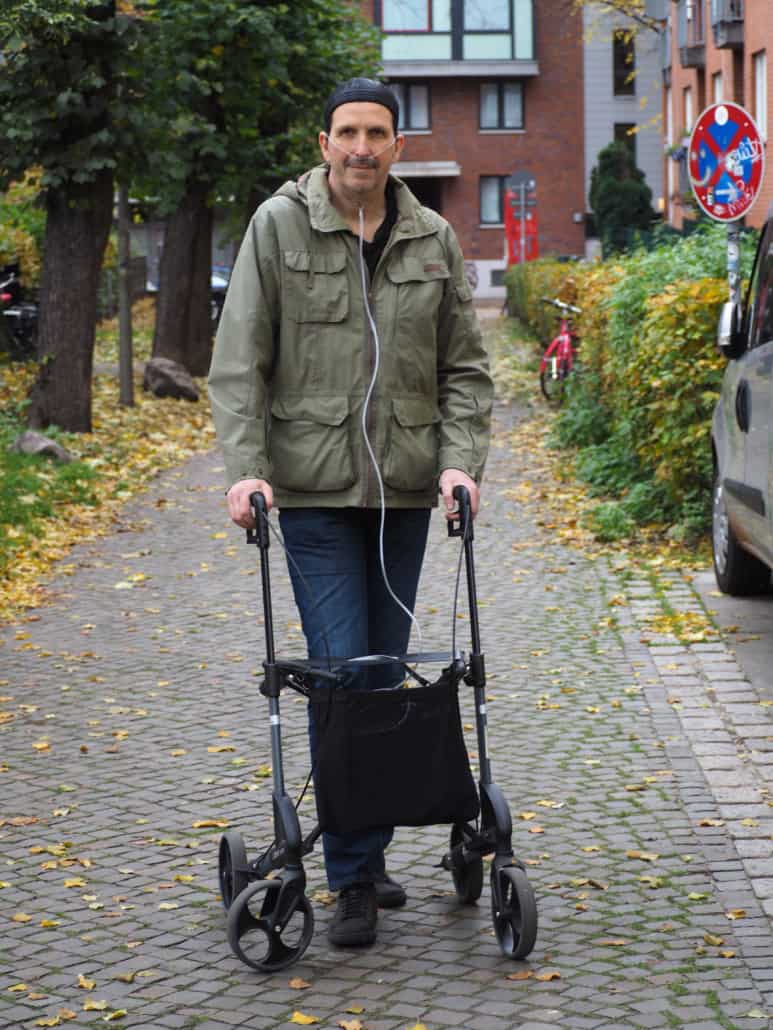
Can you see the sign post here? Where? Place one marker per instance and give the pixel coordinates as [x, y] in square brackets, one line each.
[726, 164]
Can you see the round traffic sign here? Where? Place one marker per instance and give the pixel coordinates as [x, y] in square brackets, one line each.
[726, 161]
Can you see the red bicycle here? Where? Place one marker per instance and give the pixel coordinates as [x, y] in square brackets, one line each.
[558, 360]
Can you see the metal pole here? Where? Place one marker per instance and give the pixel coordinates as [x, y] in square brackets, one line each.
[734, 261]
[125, 356]
[523, 222]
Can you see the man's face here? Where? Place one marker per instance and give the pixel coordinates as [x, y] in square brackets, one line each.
[360, 148]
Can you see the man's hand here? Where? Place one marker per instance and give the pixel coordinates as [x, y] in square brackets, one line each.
[238, 498]
[449, 478]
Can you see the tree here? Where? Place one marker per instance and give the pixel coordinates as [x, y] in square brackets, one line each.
[241, 85]
[637, 10]
[619, 197]
[58, 110]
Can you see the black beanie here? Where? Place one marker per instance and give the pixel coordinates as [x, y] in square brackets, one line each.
[358, 90]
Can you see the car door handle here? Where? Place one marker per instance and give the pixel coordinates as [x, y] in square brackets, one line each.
[743, 406]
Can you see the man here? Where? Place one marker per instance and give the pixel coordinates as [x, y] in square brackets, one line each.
[348, 361]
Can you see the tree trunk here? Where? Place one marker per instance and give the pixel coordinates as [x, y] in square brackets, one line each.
[77, 227]
[183, 313]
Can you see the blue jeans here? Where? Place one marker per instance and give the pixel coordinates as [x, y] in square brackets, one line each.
[346, 612]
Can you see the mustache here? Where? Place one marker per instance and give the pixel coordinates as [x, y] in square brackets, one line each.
[360, 162]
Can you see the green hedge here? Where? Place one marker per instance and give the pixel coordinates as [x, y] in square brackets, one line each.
[638, 414]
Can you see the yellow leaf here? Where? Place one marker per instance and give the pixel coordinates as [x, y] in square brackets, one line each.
[93, 1005]
[215, 749]
[21, 917]
[302, 1019]
[184, 878]
[736, 913]
[613, 942]
[42, 745]
[550, 974]
[299, 984]
[48, 923]
[536, 829]
[713, 940]
[117, 1014]
[356, 1010]
[205, 824]
[525, 974]
[48, 1021]
[417, 1026]
[127, 978]
[527, 815]
[67, 1014]
[350, 1024]
[727, 953]
[711, 822]
[178, 751]
[18, 989]
[86, 984]
[749, 822]
[167, 906]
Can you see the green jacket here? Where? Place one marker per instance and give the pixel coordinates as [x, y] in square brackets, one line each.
[294, 356]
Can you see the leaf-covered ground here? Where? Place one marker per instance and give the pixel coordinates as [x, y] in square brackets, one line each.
[45, 508]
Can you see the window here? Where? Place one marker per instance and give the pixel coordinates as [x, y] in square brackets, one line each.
[501, 105]
[760, 70]
[414, 105]
[623, 63]
[717, 88]
[688, 111]
[625, 132]
[492, 191]
[406, 16]
[487, 15]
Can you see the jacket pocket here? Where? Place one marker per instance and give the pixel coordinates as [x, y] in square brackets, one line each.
[317, 287]
[309, 444]
[411, 457]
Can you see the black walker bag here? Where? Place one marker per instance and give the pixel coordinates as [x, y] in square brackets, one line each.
[391, 758]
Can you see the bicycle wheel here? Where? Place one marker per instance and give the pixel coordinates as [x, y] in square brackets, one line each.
[552, 380]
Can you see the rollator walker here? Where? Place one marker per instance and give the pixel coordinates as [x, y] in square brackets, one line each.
[270, 921]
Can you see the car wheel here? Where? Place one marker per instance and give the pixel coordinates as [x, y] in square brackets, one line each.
[737, 572]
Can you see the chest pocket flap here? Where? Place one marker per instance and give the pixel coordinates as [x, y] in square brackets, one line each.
[412, 269]
[317, 289]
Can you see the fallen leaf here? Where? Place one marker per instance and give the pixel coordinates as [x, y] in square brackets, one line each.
[67, 1014]
[525, 974]
[17, 989]
[613, 942]
[302, 1019]
[21, 917]
[645, 856]
[117, 1014]
[736, 913]
[756, 1014]
[356, 1010]
[696, 896]
[713, 940]
[527, 815]
[167, 906]
[215, 824]
[86, 984]
[94, 1005]
[550, 974]
[711, 822]
[48, 1021]
[298, 984]
[350, 1024]
[727, 953]
[76, 881]
[49, 923]
[127, 978]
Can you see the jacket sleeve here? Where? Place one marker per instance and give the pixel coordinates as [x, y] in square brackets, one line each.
[244, 351]
[465, 389]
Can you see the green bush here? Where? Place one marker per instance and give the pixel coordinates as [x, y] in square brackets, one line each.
[638, 414]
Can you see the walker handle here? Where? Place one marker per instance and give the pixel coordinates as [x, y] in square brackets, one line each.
[464, 527]
[259, 535]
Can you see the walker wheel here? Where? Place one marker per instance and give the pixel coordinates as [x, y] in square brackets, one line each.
[232, 867]
[514, 911]
[467, 876]
[270, 925]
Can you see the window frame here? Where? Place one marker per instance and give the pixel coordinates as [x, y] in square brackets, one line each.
[501, 85]
[406, 32]
[623, 71]
[405, 107]
[502, 181]
[760, 84]
[621, 133]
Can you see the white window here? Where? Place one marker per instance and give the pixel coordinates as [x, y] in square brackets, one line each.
[688, 110]
[406, 16]
[486, 15]
[501, 105]
[492, 190]
[717, 88]
[414, 105]
[760, 72]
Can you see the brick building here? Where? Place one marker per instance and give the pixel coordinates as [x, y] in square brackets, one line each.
[488, 88]
[714, 50]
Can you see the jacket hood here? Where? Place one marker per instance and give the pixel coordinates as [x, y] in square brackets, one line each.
[311, 190]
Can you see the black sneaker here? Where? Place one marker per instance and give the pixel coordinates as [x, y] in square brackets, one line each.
[354, 922]
[389, 894]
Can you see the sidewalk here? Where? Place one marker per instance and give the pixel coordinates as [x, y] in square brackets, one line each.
[638, 775]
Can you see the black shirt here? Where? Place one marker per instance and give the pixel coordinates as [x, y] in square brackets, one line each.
[372, 251]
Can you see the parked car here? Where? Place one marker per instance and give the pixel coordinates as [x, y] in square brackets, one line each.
[18, 316]
[218, 284]
[742, 435]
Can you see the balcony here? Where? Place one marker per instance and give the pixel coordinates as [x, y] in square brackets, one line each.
[727, 24]
[692, 42]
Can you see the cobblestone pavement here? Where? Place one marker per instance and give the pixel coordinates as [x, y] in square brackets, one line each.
[637, 771]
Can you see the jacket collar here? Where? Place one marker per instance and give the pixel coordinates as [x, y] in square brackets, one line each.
[412, 219]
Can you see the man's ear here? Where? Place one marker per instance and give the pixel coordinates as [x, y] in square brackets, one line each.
[323, 145]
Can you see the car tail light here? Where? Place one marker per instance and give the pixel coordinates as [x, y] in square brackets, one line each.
[5, 297]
